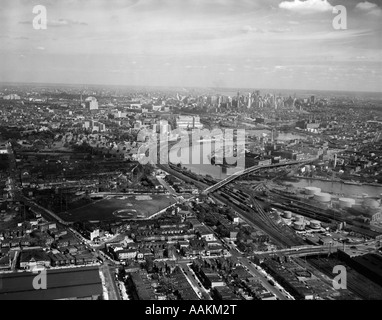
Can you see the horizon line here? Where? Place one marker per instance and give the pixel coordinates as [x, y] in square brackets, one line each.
[184, 87]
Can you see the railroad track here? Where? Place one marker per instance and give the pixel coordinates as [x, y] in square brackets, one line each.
[269, 225]
[266, 218]
[356, 283]
[250, 216]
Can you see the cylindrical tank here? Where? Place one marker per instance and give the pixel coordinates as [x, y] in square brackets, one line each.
[346, 202]
[370, 203]
[299, 225]
[287, 215]
[312, 190]
[322, 197]
[314, 224]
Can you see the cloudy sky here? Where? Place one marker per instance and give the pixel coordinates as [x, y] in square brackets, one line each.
[214, 43]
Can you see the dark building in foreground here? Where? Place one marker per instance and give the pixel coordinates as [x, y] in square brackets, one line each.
[63, 284]
[370, 265]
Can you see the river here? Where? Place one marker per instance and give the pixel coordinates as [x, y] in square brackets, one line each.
[220, 172]
[348, 190]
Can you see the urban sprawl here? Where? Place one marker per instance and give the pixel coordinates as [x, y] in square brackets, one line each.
[77, 202]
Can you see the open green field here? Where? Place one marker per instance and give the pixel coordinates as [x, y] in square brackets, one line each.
[118, 208]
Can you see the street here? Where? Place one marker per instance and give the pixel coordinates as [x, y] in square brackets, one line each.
[111, 286]
[197, 286]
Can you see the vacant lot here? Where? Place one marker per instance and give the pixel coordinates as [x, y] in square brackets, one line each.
[133, 206]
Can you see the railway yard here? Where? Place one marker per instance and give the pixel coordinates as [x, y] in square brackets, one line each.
[263, 203]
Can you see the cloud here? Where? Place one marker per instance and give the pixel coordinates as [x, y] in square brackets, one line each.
[40, 48]
[194, 67]
[65, 23]
[280, 30]
[20, 38]
[250, 29]
[308, 6]
[369, 8]
[59, 23]
[366, 6]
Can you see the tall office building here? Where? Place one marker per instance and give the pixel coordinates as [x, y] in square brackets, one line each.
[91, 103]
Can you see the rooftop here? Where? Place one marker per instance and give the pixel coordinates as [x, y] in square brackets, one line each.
[61, 284]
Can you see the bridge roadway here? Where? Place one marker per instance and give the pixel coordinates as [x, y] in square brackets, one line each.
[310, 250]
[253, 169]
[41, 210]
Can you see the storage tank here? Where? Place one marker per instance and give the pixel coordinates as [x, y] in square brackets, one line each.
[299, 225]
[370, 204]
[314, 224]
[346, 202]
[287, 215]
[312, 190]
[322, 197]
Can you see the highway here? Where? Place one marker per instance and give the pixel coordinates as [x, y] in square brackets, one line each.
[322, 249]
[253, 169]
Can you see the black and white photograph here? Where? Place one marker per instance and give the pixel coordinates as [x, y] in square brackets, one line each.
[192, 157]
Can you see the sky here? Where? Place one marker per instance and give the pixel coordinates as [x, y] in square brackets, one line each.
[280, 44]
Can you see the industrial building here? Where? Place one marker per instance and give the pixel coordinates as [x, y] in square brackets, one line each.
[370, 209]
[64, 284]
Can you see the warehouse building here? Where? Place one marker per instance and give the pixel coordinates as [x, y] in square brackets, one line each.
[63, 284]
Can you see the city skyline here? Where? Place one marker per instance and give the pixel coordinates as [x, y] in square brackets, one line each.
[264, 44]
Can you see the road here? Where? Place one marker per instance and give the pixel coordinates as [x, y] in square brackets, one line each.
[238, 257]
[111, 286]
[167, 186]
[190, 275]
[250, 170]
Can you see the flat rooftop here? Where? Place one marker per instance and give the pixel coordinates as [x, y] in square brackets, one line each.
[61, 284]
